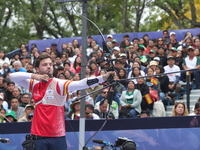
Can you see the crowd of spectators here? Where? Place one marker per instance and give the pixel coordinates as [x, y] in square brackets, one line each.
[131, 59]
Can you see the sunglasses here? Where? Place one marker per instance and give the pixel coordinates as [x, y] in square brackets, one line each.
[87, 113]
[130, 47]
[104, 92]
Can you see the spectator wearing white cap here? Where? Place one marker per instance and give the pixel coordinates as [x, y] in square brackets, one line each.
[109, 38]
[116, 51]
[173, 39]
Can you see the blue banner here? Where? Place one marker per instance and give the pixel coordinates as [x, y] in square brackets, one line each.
[42, 44]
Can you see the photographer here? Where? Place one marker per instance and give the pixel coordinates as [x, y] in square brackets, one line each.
[29, 109]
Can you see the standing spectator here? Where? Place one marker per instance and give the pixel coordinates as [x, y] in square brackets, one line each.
[130, 101]
[19, 111]
[109, 38]
[28, 115]
[54, 48]
[173, 40]
[179, 109]
[166, 37]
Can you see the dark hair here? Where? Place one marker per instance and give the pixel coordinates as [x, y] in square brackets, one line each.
[133, 75]
[77, 44]
[75, 63]
[141, 48]
[165, 31]
[10, 82]
[89, 106]
[103, 101]
[14, 98]
[26, 94]
[4, 54]
[162, 70]
[197, 105]
[40, 58]
[125, 73]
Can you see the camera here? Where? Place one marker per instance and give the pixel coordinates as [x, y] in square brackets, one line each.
[125, 144]
[30, 116]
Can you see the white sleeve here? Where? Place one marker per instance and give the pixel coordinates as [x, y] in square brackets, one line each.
[78, 85]
[21, 78]
[82, 84]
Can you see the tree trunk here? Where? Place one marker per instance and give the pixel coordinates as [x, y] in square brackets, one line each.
[125, 16]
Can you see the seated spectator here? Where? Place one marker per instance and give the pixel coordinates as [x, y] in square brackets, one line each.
[162, 56]
[190, 62]
[18, 67]
[94, 68]
[3, 57]
[179, 109]
[101, 109]
[76, 77]
[164, 83]
[114, 110]
[94, 95]
[2, 115]
[136, 72]
[10, 116]
[16, 92]
[153, 65]
[179, 59]
[144, 114]
[2, 88]
[28, 116]
[89, 112]
[152, 82]
[25, 99]
[68, 74]
[130, 101]
[32, 102]
[104, 94]
[119, 87]
[77, 64]
[122, 75]
[146, 104]
[5, 104]
[8, 92]
[174, 85]
[19, 111]
[75, 110]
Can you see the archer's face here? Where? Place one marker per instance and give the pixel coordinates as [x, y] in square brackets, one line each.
[45, 67]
